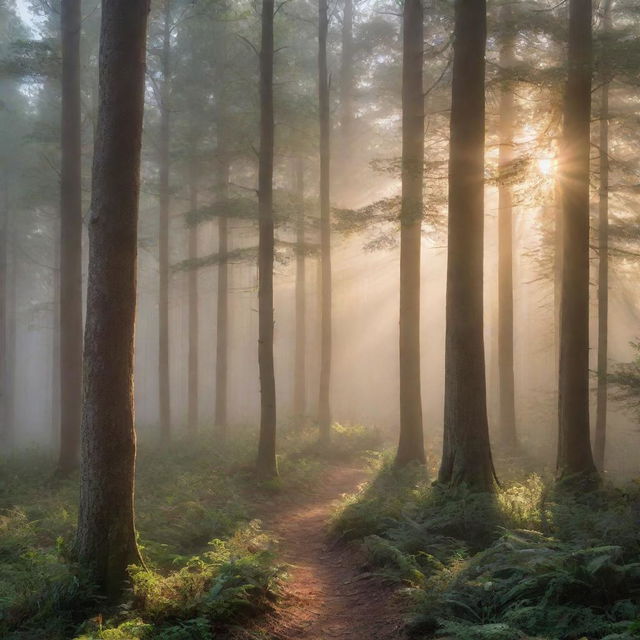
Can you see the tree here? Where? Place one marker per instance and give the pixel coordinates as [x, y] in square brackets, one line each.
[70, 239]
[164, 384]
[508, 433]
[300, 363]
[192, 294]
[466, 457]
[105, 540]
[324, 401]
[266, 464]
[603, 252]
[574, 446]
[411, 445]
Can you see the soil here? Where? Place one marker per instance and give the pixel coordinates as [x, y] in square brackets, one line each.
[328, 595]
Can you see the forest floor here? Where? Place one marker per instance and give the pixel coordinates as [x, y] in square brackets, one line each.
[328, 596]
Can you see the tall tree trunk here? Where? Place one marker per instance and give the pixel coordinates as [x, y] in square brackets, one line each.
[192, 294]
[300, 363]
[106, 539]
[411, 444]
[603, 255]
[324, 405]
[574, 446]
[55, 342]
[467, 452]
[222, 321]
[164, 382]
[70, 240]
[508, 432]
[344, 181]
[5, 428]
[266, 463]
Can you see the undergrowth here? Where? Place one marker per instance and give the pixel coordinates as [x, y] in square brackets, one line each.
[209, 565]
[528, 562]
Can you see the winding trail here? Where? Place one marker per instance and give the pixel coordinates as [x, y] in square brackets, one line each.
[327, 597]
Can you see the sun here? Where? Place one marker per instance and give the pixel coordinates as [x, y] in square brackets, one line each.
[547, 166]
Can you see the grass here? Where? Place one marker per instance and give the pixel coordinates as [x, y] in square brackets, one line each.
[209, 564]
[529, 562]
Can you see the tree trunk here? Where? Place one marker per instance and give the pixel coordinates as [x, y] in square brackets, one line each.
[574, 446]
[164, 383]
[508, 432]
[324, 406]
[266, 463]
[70, 240]
[106, 540]
[300, 363]
[192, 293]
[603, 255]
[5, 428]
[56, 377]
[467, 451]
[411, 444]
[222, 322]
[345, 181]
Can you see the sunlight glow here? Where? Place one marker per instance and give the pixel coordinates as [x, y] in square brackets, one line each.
[547, 166]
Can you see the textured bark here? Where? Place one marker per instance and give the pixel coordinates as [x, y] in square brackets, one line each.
[222, 321]
[574, 446]
[411, 443]
[508, 431]
[106, 541]
[603, 256]
[164, 374]
[266, 463]
[467, 453]
[193, 307]
[70, 240]
[324, 401]
[300, 362]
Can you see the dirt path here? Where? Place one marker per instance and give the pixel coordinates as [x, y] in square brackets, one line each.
[328, 597]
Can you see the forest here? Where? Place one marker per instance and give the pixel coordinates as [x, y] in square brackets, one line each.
[318, 319]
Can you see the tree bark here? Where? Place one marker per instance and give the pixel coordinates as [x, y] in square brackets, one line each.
[55, 344]
[70, 240]
[603, 256]
[266, 463]
[193, 306]
[164, 379]
[508, 431]
[324, 405]
[574, 446]
[411, 444]
[346, 113]
[466, 455]
[300, 363]
[105, 539]
[6, 435]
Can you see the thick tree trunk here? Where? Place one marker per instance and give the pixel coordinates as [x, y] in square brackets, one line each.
[106, 540]
[324, 403]
[467, 452]
[266, 463]
[5, 427]
[222, 321]
[192, 294]
[411, 444]
[603, 256]
[300, 362]
[574, 446]
[70, 240]
[164, 380]
[508, 432]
